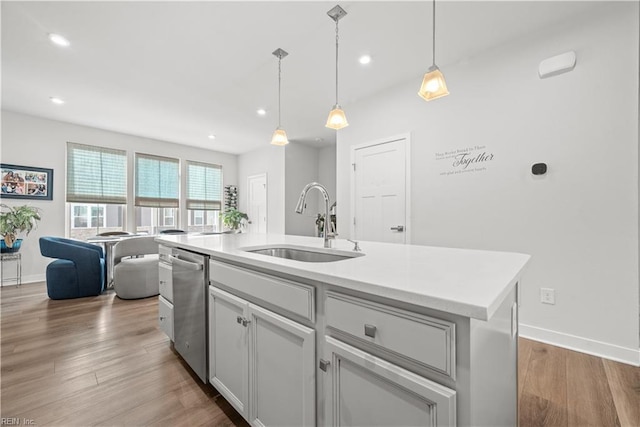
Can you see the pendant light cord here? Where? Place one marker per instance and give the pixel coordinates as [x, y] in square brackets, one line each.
[336, 61]
[279, 85]
[434, 33]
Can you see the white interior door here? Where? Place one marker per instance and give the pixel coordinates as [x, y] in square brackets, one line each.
[379, 184]
[257, 212]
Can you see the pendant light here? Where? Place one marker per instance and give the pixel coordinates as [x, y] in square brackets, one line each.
[337, 119]
[279, 136]
[433, 84]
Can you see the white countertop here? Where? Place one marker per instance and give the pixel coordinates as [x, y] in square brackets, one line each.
[470, 283]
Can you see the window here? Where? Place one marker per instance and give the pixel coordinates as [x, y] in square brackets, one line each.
[198, 218]
[79, 219]
[168, 217]
[204, 221]
[154, 220]
[96, 174]
[157, 181]
[204, 196]
[157, 192]
[97, 217]
[89, 220]
[96, 189]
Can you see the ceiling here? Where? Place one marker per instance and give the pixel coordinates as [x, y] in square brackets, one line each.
[179, 71]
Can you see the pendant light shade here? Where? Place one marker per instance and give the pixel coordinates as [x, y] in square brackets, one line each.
[279, 135]
[433, 84]
[337, 119]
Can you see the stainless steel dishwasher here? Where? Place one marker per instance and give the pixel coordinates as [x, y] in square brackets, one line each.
[190, 273]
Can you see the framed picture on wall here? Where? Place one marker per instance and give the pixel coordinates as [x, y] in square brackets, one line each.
[26, 182]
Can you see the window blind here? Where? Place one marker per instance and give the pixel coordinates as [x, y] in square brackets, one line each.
[157, 181]
[96, 174]
[204, 186]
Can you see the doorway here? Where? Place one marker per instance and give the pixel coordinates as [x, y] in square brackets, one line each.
[380, 191]
[257, 203]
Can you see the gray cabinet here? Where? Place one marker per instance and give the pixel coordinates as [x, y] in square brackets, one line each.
[363, 381]
[261, 362]
[228, 349]
[287, 350]
[165, 300]
[364, 390]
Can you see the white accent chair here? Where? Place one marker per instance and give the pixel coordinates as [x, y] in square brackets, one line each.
[135, 271]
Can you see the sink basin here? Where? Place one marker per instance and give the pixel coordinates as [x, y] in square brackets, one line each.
[304, 254]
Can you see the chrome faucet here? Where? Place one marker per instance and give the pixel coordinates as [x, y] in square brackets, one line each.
[327, 217]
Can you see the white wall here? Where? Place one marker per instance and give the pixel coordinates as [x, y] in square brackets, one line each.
[33, 141]
[580, 220]
[269, 160]
[327, 170]
[301, 168]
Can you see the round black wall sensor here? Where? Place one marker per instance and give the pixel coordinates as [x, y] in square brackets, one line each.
[539, 169]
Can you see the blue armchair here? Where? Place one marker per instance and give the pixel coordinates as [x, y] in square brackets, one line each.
[79, 270]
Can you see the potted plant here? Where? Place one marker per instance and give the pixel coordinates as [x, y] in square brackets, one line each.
[234, 219]
[15, 220]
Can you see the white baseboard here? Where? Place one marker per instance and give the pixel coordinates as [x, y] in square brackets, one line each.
[626, 355]
[26, 279]
[34, 278]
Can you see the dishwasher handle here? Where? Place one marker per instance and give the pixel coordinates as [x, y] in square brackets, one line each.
[195, 266]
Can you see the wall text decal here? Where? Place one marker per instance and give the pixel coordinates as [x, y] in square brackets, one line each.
[464, 160]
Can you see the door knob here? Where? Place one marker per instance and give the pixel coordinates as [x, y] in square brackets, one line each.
[398, 228]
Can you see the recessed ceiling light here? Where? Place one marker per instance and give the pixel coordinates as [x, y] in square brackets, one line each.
[212, 136]
[261, 112]
[59, 40]
[364, 59]
[56, 100]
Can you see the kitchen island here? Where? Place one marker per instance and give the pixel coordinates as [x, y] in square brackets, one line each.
[392, 335]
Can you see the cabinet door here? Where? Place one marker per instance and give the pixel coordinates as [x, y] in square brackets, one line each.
[165, 285]
[363, 390]
[165, 316]
[228, 349]
[282, 371]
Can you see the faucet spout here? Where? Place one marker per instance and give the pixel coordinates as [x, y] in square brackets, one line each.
[327, 218]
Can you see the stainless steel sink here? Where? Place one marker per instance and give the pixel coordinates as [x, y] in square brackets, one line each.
[304, 255]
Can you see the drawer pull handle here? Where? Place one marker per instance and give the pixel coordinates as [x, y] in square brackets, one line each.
[324, 364]
[370, 331]
[242, 321]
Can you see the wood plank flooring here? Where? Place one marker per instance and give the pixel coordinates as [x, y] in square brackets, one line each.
[564, 388]
[96, 361]
[103, 361]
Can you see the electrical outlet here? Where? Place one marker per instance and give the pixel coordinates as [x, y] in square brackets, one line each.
[548, 296]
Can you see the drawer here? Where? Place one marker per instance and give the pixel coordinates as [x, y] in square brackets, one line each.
[166, 281]
[165, 316]
[293, 297]
[420, 339]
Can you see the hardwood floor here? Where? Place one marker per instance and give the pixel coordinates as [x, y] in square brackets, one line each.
[561, 387]
[96, 361]
[103, 361]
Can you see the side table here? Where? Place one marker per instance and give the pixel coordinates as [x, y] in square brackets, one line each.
[11, 256]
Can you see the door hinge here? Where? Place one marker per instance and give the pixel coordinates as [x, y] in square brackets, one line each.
[354, 166]
[354, 220]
